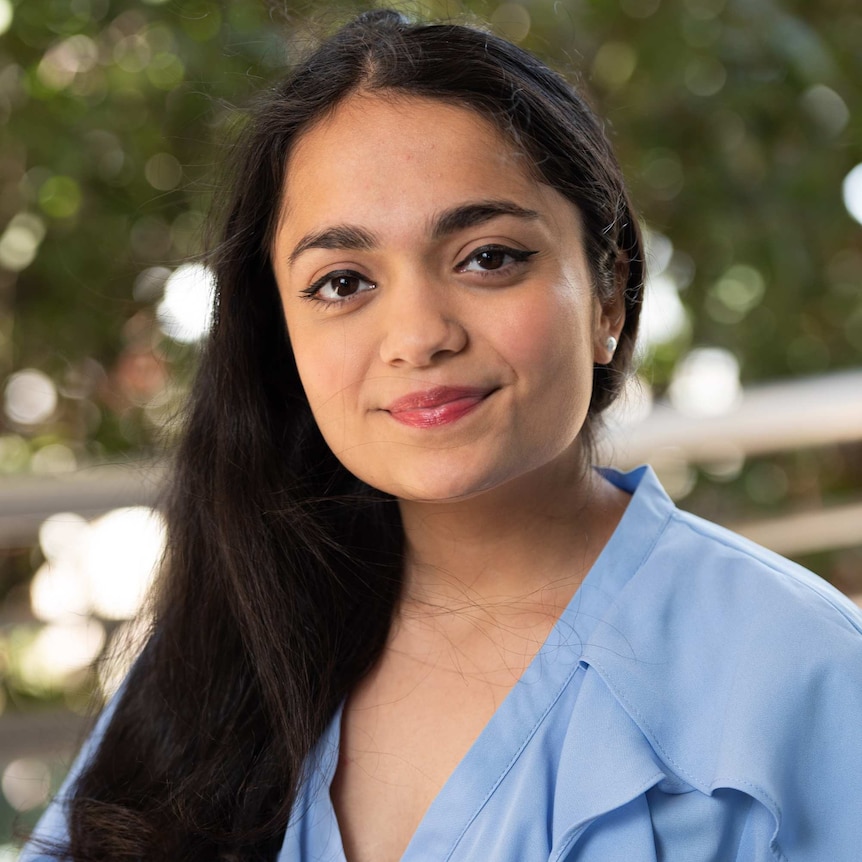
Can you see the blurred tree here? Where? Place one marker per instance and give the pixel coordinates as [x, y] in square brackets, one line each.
[111, 113]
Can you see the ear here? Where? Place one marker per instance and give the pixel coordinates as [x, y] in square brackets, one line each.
[611, 315]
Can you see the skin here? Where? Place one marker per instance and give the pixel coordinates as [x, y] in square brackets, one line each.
[436, 260]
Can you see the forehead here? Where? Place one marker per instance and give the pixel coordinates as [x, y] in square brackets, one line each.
[402, 158]
[426, 124]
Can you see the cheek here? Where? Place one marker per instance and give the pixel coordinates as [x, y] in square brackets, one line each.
[329, 366]
[548, 339]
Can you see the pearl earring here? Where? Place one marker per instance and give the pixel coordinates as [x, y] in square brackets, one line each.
[611, 344]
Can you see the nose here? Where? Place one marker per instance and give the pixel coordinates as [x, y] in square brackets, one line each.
[421, 325]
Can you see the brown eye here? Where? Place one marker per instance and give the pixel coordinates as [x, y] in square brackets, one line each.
[492, 258]
[336, 287]
[345, 285]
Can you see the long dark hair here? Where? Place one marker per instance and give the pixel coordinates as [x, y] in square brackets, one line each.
[283, 569]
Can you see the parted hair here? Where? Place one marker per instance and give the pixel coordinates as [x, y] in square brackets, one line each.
[283, 569]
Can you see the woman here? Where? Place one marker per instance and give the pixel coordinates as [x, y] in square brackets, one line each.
[402, 617]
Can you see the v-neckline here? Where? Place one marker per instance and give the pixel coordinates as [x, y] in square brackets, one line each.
[492, 752]
[495, 750]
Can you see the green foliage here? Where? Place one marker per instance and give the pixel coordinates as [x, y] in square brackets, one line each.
[111, 112]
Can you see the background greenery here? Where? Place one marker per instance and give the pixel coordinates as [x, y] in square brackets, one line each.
[735, 120]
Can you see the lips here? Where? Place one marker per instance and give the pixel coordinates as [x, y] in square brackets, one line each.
[438, 406]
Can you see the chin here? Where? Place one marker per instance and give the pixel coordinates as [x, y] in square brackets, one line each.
[435, 495]
[441, 488]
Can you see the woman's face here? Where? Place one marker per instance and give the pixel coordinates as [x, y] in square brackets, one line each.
[437, 299]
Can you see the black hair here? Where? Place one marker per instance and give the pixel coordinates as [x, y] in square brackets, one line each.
[283, 569]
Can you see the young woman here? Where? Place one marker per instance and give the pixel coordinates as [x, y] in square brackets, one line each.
[402, 617]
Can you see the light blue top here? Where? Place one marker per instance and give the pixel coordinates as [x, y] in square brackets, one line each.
[700, 700]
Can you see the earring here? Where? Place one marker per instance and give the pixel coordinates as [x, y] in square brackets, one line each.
[611, 344]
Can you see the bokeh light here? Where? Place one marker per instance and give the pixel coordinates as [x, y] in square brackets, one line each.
[26, 783]
[706, 382]
[705, 76]
[53, 458]
[512, 20]
[30, 397]
[63, 536]
[14, 453]
[150, 283]
[60, 588]
[662, 170]
[66, 59]
[185, 312]
[124, 550]
[663, 316]
[614, 63]
[104, 567]
[59, 591]
[20, 241]
[60, 197]
[852, 192]
[163, 171]
[739, 290]
[7, 12]
[59, 650]
[826, 108]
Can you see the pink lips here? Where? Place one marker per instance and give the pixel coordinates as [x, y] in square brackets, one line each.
[438, 406]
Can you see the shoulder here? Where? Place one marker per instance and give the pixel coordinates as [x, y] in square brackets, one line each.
[742, 582]
[762, 631]
[710, 616]
[711, 608]
[742, 670]
[706, 584]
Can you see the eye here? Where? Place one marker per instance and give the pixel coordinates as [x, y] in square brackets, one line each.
[337, 287]
[490, 258]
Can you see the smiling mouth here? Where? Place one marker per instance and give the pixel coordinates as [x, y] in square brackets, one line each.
[441, 405]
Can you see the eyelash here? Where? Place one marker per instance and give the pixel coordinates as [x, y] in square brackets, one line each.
[313, 290]
[518, 256]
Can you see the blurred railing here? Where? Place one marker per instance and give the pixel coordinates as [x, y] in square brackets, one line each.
[768, 418]
[26, 501]
[818, 411]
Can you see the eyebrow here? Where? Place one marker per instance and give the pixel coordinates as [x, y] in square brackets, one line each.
[340, 236]
[450, 221]
[470, 215]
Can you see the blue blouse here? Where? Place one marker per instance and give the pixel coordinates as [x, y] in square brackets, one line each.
[700, 700]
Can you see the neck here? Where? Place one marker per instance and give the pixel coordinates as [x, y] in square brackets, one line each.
[530, 541]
